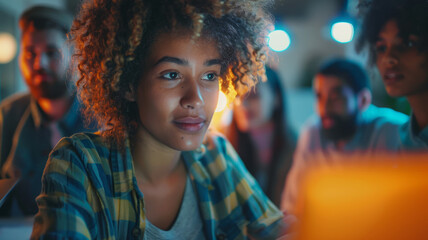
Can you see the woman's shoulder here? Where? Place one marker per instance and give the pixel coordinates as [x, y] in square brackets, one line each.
[217, 155]
[82, 157]
[215, 140]
[229, 179]
[81, 147]
[82, 141]
[217, 146]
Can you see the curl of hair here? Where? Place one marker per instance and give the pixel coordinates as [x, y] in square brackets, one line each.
[411, 17]
[112, 39]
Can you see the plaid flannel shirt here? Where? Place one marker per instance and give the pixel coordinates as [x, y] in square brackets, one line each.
[90, 192]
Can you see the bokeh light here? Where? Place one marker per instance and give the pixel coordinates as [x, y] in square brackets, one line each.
[342, 32]
[278, 40]
[8, 47]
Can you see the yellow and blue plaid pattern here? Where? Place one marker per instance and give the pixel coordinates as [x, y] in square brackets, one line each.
[90, 192]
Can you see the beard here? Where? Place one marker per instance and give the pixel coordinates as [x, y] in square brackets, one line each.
[50, 89]
[343, 127]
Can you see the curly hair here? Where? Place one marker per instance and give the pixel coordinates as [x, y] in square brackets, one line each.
[113, 37]
[411, 17]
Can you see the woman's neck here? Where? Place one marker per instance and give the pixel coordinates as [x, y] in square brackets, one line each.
[153, 161]
[419, 109]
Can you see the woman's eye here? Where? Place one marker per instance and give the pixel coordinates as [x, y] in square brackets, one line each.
[210, 76]
[411, 44]
[171, 75]
[380, 48]
[413, 41]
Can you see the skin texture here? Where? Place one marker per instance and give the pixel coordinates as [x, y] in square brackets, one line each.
[404, 69]
[43, 61]
[176, 98]
[178, 92]
[339, 107]
[334, 97]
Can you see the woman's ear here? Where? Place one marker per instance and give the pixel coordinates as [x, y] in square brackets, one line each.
[364, 99]
[130, 94]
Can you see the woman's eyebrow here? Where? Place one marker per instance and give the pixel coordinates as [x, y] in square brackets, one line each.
[212, 62]
[175, 60]
[185, 62]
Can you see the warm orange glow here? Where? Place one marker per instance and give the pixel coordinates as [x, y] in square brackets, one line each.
[381, 198]
[222, 102]
[223, 108]
[222, 113]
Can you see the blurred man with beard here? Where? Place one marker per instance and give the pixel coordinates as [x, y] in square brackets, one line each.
[32, 123]
[346, 123]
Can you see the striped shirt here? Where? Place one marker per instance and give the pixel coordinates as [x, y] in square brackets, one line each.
[90, 192]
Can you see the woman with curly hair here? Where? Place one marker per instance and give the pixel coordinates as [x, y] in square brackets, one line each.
[150, 73]
[396, 32]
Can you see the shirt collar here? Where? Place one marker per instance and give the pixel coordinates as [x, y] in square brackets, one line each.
[35, 112]
[422, 134]
[124, 175]
[198, 172]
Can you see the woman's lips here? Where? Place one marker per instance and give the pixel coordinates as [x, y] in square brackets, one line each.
[190, 124]
[391, 77]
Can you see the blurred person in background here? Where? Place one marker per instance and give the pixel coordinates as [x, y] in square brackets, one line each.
[346, 122]
[262, 136]
[396, 33]
[32, 123]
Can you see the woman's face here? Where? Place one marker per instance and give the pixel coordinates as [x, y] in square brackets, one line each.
[404, 69]
[256, 108]
[178, 91]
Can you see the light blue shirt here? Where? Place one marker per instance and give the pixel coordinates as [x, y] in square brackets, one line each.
[379, 131]
[410, 141]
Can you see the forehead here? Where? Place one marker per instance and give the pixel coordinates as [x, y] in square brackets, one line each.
[328, 83]
[389, 30]
[182, 45]
[45, 37]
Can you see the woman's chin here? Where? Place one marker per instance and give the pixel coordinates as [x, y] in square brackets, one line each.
[187, 143]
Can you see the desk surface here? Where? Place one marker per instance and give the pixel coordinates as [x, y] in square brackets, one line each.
[15, 228]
